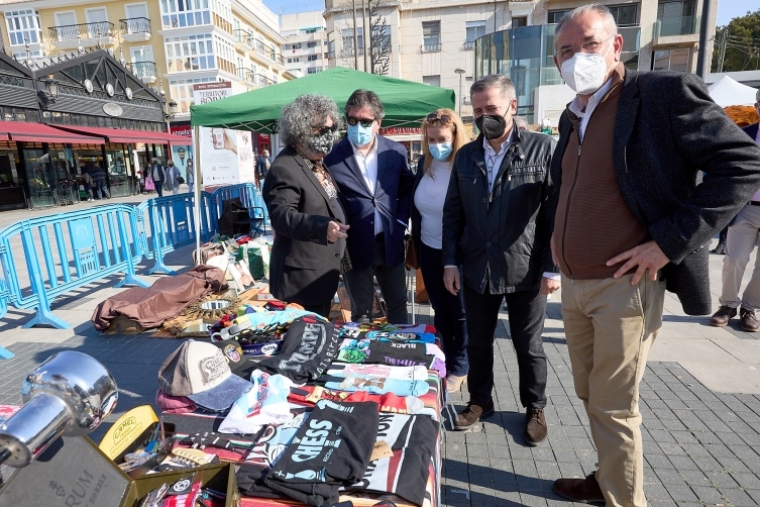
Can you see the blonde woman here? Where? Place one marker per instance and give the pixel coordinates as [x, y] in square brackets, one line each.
[442, 135]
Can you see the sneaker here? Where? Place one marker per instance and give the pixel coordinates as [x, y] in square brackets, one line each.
[748, 320]
[580, 490]
[722, 316]
[470, 416]
[454, 383]
[535, 426]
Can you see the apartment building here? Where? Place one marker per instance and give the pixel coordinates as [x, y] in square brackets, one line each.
[305, 48]
[450, 42]
[169, 44]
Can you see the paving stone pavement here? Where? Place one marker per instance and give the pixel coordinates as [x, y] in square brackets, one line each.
[701, 447]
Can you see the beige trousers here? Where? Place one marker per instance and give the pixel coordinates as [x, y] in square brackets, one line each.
[610, 327]
[742, 237]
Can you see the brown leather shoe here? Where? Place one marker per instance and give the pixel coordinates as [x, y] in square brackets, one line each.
[470, 416]
[535, 426]
[722, 316]
[748, 320]
[580, 490]
[454, 383]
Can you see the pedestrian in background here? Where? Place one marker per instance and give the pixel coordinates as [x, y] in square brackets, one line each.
[262, 167]
[86, 179]
[190, 175]
[99, 181]
[442, 135]
[630, 218]
[172, 175]
[375, 183]
[496, 225]
[157, 173]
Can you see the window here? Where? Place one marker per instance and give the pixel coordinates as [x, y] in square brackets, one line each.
[432, 80]
[190, 52]
[431, 33]
[311, 44]
[625, 15]
[181, 91]
[676, 59]
[23, 26]
[296, 46]
[179, 13]
[676, 18]
[519, 21]
[475, 30]
[348, 40]
[33, 55]
[555, 16]
[312, 58]
[294, 60]
[313, 70]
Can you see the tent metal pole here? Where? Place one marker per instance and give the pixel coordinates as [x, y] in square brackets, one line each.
[197, 190]
[356, 43]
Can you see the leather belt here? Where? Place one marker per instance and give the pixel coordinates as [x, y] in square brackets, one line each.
[753, 203]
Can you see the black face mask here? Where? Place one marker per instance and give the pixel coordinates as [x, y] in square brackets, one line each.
[321, 143]
[492, 125]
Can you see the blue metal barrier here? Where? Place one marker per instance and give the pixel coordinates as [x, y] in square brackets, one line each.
[92, 244]
[171, 225]
[102, 241]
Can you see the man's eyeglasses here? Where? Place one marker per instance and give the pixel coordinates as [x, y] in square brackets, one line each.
[353, 121]
[592, 46]
[325, 130]
[444, 118]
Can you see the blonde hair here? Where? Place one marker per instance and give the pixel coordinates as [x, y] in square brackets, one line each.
[457, 129]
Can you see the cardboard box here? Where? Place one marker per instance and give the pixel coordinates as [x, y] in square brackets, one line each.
[378, 312]
[75, 472]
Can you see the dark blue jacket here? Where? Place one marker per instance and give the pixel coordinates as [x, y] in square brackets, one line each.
[751, 130]
[393, 195]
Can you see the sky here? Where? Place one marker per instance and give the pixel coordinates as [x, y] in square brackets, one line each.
[727, 9]
[289, 6]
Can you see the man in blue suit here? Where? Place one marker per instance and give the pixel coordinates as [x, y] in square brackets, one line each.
[375, 186]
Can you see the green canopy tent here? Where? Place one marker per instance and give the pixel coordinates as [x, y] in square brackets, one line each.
[405, 102]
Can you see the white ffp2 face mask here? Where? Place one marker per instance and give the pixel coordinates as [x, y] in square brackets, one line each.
[584, 72]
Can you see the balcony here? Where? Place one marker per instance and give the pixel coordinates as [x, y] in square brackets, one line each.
[83, 34]
[468, 45]
[674, 30]
[146, 71]
[430, 48]
[267, 52]
[243, 40]
[135, 29]
[262, 80]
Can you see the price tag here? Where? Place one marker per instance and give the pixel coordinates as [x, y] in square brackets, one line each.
[381, 450]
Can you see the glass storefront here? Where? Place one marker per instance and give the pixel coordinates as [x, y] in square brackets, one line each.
[119, 168]
[526, 56]
[12, 193]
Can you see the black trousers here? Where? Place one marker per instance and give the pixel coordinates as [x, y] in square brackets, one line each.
[449, 311]
[526, 324]
[323, 309]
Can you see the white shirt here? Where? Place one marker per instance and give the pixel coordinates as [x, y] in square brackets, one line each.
[494, 159]
[584, 113]
[429, 198]
[368, 167]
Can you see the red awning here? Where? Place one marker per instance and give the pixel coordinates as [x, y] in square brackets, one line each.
[41, 133]
[127, 136]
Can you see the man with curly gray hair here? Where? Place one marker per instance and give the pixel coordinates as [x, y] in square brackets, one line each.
[304, 209]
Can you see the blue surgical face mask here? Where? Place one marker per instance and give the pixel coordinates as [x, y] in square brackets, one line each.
[440, 151]
[360, 136]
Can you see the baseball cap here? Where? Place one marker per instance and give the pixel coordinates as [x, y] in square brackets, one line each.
[199, 370]
[239, 364]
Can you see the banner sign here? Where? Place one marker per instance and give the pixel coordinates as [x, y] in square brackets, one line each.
[226, 154]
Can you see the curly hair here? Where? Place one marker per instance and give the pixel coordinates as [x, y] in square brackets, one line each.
[306, 112]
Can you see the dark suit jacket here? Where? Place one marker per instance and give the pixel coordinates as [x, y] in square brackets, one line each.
[668, 129]
[392, 197]
[416, 216]
[304, 268]
[751, 130]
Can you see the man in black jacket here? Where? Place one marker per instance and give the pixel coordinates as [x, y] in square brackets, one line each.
[496, 227]
[630, 221]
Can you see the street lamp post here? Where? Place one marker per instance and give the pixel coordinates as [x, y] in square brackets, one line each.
[460, 72]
